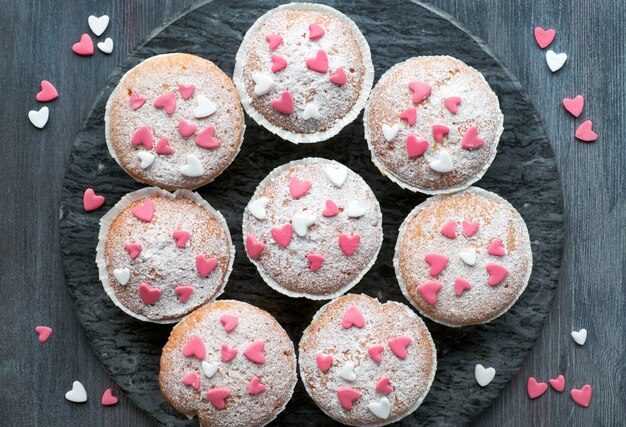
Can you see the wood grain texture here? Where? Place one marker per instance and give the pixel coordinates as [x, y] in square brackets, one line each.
[35, 45]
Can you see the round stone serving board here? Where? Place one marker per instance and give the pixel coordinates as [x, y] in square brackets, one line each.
[524, 172]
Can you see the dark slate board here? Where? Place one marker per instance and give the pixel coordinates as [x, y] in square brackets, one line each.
[524, 172]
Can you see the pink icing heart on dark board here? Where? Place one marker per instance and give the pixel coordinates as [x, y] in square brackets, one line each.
[284, 104]
[143, 136]
[205, 265]
[429, 290]
[44, 333]
[148, 294]
[558, 383]
[585, 133]
[108, 399]
[544, 37]
[47, 93]
[535, 389]
[195, 348]
[319, 62]
[84, 47]
[574, 106]
[144, 212]
[420, 90]
[254, 247]
[167, 102]
[91, 201]
[415, 147]
[582, 396]
[282, 235]
[349, 244]
[352, 317]
[254, 352]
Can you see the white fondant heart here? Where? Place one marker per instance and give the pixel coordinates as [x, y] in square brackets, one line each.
[443, 162]
[146, 159]
[310, 112]
[555, 60]
[209, 369]
[77, 394]
[257, 207]
[336, 175]
[580, 337]
[381, 409]
[122, 275]
[301, 223]
[355, 210]
[193, 167]
[98, 25]
[39, 118]
[106, 46]
[484, 375]
[468, 256]
[390, 132]
[347, 372]
[263, 83]
[204, 108]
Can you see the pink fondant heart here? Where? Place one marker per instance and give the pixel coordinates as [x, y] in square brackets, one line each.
[44, 333]
[437, 262]
[183, 292]
[278, 63]
[331, 209]
[383, 386]
[47, 93]
[449, 229]
[495, 248]
[319, 63]
[193, 380]
[298, 187]
[349, 244]
[136, 101]
[133, 249]
[429, 290]
[315, 32]
[471, 140]
[415, 147]
[228, 353]
[84, 47]
[339, 77]
[410, 115]
[254, 352]
[255, 386]
[574, 106]
[582, 396]
[439, 131]
[217, 396]
[181, 237]
[316, 261]
[461, 285]
[148, 294]
[585, 133]
[452, 104]
[535, 389]
[324, 361]
[282, 235]
[254, 247]
[186, 91]
[167, 102]
[284, 104]
[144, 212]
[229, 322]
[163, 147]
[108, 399]
[497, 273]
[376, 353]
[143, 136]
[205, 138]
[186, 129]
[274, 40]
[91, 201]
[195, 348]
[398, 346]
[347, 396]
[420, 90]
[544, 37]
[558, 383]
[470, 228]
[205, 265]
[352, 317]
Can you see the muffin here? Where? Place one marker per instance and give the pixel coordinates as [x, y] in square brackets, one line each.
[174, 121]
[464, 258]
[229, 363]
[303, 72]
[162, 255]
[313, 228]
[433, 124]
[367, 363]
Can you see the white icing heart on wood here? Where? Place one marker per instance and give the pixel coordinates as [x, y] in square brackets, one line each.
[311, 112]
[209, 368]
[204, 108]
[347, 372]
[257, 207]
[193, 168]
[98, 25]
[355, 210]
[106, 46]
[381, 409]
[263, 83]
[580, 337]
[77, 394]
[146, 158]
[484, 375]
[39, 118]
[336, 175]
[443, 162]
[390, 132]
[555, 60]
[122, 275]
[468, 256]
[301, 223]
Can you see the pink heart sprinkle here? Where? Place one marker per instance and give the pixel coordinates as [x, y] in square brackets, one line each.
[315, 32]
[470, 228]
[574, 106]
[495, 248]
[218, 396]
[186, 129]
[324, 361]
[376, 353]
[420, 90]
[349, 244]
[544, 37]
[47, 93]
[108, 399]
[437, 262]
[497, 274]
[84, 47]
[229, 322]
[91, 201]
[44, 333]
[255, 386]
[181, 237]
[133, 249]
[298, 188]
[452, 104]
[331, 209]
[183, 292]
[205, 265]
[144, 212]
[205, 138]
[535, 389]
[352, 317]
[439, 131]
[274, 40]
[383, 386]
[429, 290]
[163, 147]
[585, 133]
[193, 380]
[347, 396]
[228, 353]
[471, 140]
[186, 91]
[398, 345]
[148, 294]
[449, 229]
[339, 77]
[254, 352]
[143, 136]
[282, 235]
[195, 348]
[410, 115]
[319, 63]
[582, 396]
[167, 101]
[558, 383]
[284, 104]
[316, 261]
[278, 63]
[461, 285]
[136, 101]
[415, 147]
[254, 247]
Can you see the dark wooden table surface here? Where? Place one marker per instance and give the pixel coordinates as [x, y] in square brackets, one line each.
[34, 44]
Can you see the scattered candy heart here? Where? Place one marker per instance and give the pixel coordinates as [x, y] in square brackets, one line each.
[146, 159]
[193, 168]
[383, 386]
[204, 107]
[336, 175]
[471, 140]
[278, 63]
[579, 337]
[398, 346]
[470, 228]
[98, 25]
[415, 147]
[209, 369]
[77, 394]
[331, 209]
[429, 290]
[339, 77]
[257, 207]
[47, 93]
[324, 361]
[192, 380]
[186, 129]
[282, 235]
[181, 237]
[461, 285]
[381, 409]
[91, 201]
[39, 118]
[255, 386]
[133, 249]
[274, 40]
[497, 274]
[298, 187]
[439, 131]
[254, 247]
[163, 147]
[318, 63]
[254, 352]
[452, 104]
[574, 106]
[311, 112]
[186, 91]
[143, 136]
[347, 372]
[122, 275]
[106, 46]
[229, 322]
[144, 212]
[195, 348]
[410, 115]
[206, 138]
[205, 265]
[555, 61]
[263, 84]
[149, 294]
[44, 333]
[495, 248]
[355, 210]
[315, 32]
[584, 132]
[84, 47]
[437, 262]
[183, 292]
[349, 244]
[228, 353]
[218, 396]
[108, 399]
[352, 317]
[136, 101]
[468, 256]
[544, 37]
[284, 104]
[582, 396]
[443, 162]
[376, 353]
[301, 223]
[558, 383]
[449, 229]
[535, 389]
[167, 102]
[484, 375]
[420, 90]
[347, 396]
[390, 132]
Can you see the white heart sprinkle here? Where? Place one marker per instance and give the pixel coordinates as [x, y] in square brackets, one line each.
[310, 112]
[484, 375]
[98, 25]
[347, 372]
[205, 107]
[39, 118]
[209, 369]
[301, 223]
[263, 83]
[193, 168]
[257, 207]
[77, 394]
[381, 409]
[443, 162]
[580, 337]
[468, 256]
[390, 132]
[555, 60]
[106, 46]
[146, 158]
[122, 275]
[355, 210]
[336, 175]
